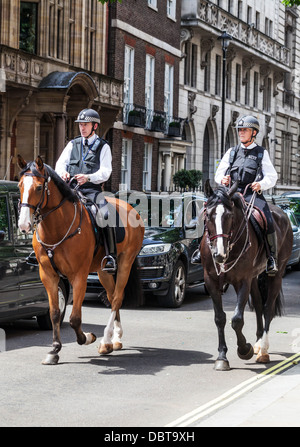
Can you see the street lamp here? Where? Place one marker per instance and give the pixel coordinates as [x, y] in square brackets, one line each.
[225, 37]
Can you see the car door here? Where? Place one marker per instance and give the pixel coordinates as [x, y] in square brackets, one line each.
[9, 279]
[33, 297]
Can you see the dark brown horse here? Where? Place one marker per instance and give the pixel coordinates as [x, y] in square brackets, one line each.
[64, 243]
[231, 253]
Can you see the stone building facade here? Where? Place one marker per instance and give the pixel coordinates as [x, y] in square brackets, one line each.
[262, 79]
[52, 65]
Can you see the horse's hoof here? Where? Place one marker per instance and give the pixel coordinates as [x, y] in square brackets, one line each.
[263, 358]
[117, 346]
[90, 338]
[51, 359]
[222, 365]
[248, 355]
[106, 348]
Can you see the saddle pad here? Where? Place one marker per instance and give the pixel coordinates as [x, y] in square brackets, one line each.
[119, 227]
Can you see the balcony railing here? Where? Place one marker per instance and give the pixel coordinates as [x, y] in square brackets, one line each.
[156, 121]
[198, 12]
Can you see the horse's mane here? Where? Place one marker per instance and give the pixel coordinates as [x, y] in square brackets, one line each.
[220, 195]
[67, 192]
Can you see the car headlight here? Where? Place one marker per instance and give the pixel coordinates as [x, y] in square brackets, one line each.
[155, 249]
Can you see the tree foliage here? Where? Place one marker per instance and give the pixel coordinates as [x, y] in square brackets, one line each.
[291, 2]
[187, 178]
[109, 1]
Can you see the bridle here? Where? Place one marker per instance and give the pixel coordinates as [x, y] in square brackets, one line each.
[247, 210]
[38, 217]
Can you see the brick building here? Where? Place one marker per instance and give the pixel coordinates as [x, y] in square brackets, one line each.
[144, 51]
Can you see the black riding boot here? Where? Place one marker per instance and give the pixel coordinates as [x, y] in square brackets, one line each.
[272, 267]
[111, 250]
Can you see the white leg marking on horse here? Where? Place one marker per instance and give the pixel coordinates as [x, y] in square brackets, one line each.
[219, 213]
[264, 346]
[118, 331]
[89, 338]
[109, 330]
[24, 218]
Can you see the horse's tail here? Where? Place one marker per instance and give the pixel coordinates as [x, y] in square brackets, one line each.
[133, 293]
[263, 285]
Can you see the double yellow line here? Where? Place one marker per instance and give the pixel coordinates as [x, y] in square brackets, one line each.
[214, 405]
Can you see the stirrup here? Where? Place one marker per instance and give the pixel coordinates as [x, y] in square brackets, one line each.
[272, 269]
[196, 257]
[112, 269]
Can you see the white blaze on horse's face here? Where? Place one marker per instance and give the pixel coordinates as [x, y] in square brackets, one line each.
[25, 222]
[220, 253]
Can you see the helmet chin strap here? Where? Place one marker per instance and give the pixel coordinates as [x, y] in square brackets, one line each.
[92, 131]
[252, 139]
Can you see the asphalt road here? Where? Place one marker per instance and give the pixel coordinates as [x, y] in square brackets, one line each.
[164, 371]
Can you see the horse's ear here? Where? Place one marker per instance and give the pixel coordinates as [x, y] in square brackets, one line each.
[208, 191]
[21, 162]
[39, 162]
[233, 189]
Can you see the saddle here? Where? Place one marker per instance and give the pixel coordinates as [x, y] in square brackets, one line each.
[119, 227]
[260, 219]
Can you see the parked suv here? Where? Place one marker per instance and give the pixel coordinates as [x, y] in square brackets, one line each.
[22, 294]
[172, 234]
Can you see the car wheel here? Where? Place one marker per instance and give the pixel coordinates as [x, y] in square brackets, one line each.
[176, 292]
[44, 321]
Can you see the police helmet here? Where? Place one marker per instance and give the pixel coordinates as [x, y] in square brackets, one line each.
[248, 121]
[88, 116]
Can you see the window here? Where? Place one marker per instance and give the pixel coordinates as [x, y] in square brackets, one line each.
[171, 9]
[149, 87]
[249, 15]
[207, 72]
[257, 20]
[28, 27]
[238, 83]
[267, 94]
[169, 79]
[90, 34]
[218, 75]
[71, 31]
[147, 166]
[256, 87]
[190, 64]
[240, 9]
[126, 164]
[228, 80]
[152, 3]
[246, 82]
[128, 75]
[56, 29]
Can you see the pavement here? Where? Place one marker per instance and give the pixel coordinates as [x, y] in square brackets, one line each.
[271, 399]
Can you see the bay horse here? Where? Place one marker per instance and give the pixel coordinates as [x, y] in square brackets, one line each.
[231, 253]
[64, 244]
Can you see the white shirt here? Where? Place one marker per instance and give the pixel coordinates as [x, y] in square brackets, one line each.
[268, 170]
[100, 176]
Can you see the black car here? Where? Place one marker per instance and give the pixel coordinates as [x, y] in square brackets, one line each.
[288, 202]
[172, 234]
[22, 294]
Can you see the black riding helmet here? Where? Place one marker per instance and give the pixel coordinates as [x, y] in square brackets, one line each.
[248, 121]
[88, 116]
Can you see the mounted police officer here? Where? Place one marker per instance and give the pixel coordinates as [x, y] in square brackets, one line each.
[88, 159]
[249, 163]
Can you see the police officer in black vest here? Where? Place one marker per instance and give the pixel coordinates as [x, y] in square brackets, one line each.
[88, 159]
[250, 164]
